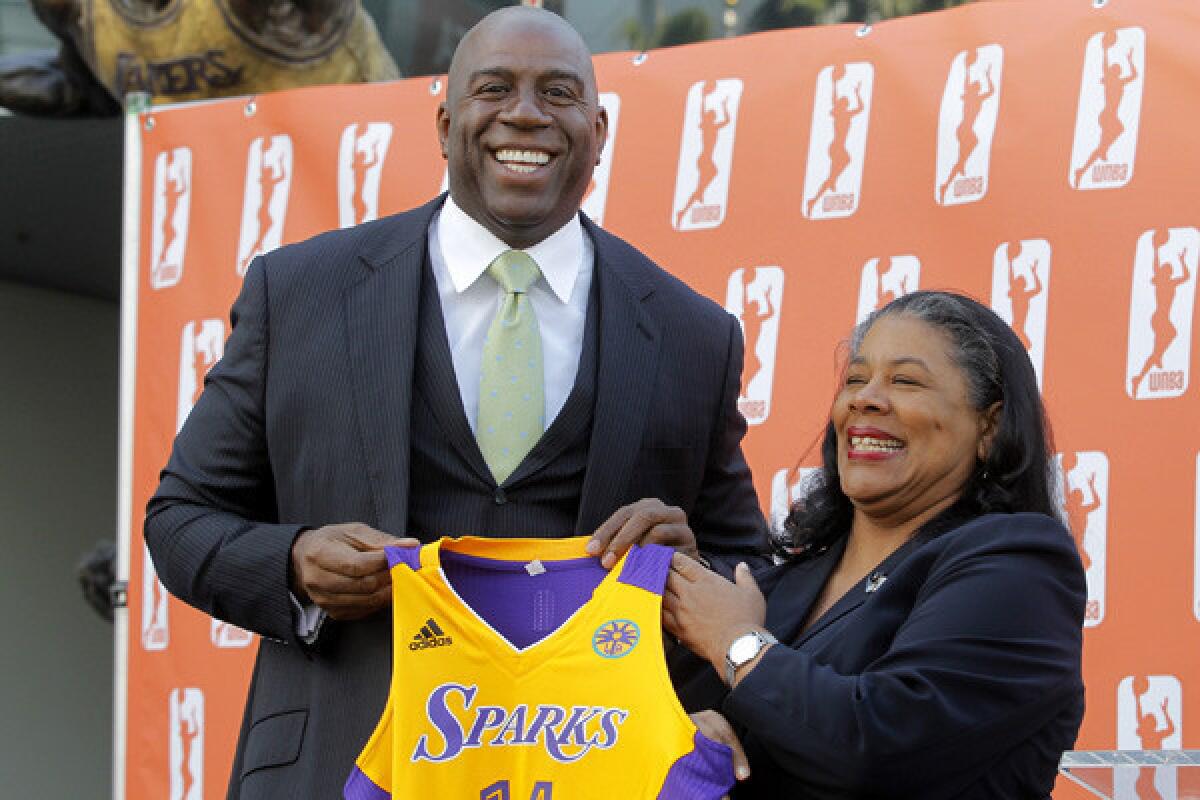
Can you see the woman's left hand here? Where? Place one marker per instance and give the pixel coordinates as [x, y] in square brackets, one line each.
[706, 612]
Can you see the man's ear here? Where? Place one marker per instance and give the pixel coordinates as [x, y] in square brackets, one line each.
[443, 126]
[601, 131]
[989, 423]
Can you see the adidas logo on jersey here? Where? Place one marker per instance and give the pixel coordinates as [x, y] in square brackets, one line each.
[430, 635]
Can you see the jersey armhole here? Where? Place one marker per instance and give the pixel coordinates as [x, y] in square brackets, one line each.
[371, 776]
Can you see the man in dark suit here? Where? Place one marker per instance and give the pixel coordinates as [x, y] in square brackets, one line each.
[357, 400]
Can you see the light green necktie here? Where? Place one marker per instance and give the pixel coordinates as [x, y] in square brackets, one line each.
[511, 401]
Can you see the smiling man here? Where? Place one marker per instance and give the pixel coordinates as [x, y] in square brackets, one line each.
[491, 363]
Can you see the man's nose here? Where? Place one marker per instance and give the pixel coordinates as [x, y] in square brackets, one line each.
[526, 109]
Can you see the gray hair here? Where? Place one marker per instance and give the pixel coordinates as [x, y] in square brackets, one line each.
[974, 349]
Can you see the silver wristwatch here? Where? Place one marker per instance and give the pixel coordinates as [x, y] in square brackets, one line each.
[745, 649]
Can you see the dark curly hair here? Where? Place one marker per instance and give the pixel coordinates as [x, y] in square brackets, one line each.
[1018, 473]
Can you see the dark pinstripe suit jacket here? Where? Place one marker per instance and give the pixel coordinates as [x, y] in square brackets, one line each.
[304, 422]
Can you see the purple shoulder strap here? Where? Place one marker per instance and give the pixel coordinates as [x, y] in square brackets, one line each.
[646, 567]
[404, 555]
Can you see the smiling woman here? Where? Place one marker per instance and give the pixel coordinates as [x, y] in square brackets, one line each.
[922, 638]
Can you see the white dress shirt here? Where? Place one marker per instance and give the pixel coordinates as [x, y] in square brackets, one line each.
[460, 250]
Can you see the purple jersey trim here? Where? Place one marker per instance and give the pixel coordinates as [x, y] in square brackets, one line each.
[706, 773]
[646, 567]
[404, 555]
[452, 557]
[360, 787]
[522, 607]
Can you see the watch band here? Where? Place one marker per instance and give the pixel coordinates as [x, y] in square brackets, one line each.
[761, 638]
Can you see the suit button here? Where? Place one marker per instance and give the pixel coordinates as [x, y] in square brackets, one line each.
[499, 497]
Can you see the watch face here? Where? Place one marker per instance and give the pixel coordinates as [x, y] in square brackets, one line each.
[744, 648]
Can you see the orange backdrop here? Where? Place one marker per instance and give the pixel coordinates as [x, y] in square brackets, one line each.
[1039, 156]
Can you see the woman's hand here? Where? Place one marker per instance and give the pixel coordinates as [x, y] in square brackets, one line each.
[717, 728]
[647, 521]
[706, 612]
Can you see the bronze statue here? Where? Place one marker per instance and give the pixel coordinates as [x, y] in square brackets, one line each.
[177, 50]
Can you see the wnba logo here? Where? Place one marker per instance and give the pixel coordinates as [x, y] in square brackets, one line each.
[596, 196]
[360, 164]
[264, 203]
[1110, 107]
[1084, 499]
[1149, 717]
[224, 635]
[1160, 314]
[1020, 281]
[186, 748]
[155, 632]
[837, 144]
[880, 286]
[201, 345]
[169, 219]
[706, 154]
[754, 296]
[967, 123]
[788, 486]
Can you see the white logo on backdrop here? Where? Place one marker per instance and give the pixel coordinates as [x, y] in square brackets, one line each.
[1020, 291]
[1110, 108]
[361, 154]
[881, 285]
[967, 124]
[224, 635]
[837, 144]
[1160, 313]
[264, 203]
[186, 747]
[169, 217]
[156, 633]
[201, 344]
[596, 197]
[1149, 717]
[755, 296]
[1084, 500]
[788, 486]
[706, 154]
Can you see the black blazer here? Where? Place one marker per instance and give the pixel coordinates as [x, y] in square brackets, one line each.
[957, 677]
[305, 422]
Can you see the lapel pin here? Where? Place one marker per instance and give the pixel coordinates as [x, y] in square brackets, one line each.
[876, 580]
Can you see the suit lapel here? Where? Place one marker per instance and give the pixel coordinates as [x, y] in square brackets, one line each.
[437, 383]
[381, 331]
[627, 353]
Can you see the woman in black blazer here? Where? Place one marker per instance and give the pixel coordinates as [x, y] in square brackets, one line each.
[922, 638]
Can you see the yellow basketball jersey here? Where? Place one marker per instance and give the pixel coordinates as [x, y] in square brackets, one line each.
[579, 706]
[194, 49]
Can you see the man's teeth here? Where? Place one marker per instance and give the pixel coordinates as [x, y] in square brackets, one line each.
[872, 444]
[522, 160]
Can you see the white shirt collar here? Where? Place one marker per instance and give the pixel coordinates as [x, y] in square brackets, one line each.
[469, 248]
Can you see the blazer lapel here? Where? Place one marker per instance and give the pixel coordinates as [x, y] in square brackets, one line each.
[857, 594]
[381, 333]
[627, 353]
[791, 600]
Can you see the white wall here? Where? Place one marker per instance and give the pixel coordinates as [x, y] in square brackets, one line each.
[58, 411]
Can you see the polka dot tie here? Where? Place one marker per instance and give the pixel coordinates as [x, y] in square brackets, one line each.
[511, 402]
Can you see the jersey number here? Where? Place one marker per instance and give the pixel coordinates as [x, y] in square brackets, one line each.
[542, 790]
